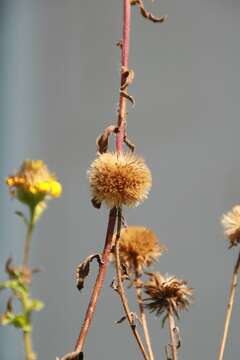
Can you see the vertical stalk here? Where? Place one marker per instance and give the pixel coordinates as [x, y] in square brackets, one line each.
[171, 324]
[29, 354]
[28, 240]
[112, 215]
[229, 307]
[143, 316]
[125, 43]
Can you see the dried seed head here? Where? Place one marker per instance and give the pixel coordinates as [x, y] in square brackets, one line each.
[33, 182]
[166, 293]
[138, 248]
[231, 225]
[122, 179]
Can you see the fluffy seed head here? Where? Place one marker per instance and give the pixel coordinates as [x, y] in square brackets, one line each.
[231, 225]
[138, 248]
[122, 179]
[166, 293]
[33, 182]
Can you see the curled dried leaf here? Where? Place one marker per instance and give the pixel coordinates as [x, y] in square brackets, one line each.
[127, 77]
[96, 203]
[102, 140]
[84, 268]
[130, 145]
[121, 320]
[128, 97]
[146, 14]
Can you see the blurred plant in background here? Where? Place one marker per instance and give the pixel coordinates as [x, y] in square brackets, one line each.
[33, 185]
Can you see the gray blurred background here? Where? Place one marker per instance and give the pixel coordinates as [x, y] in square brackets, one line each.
[59, 80]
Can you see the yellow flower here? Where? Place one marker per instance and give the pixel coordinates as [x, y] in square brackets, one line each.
[138, 248]
[231, 225]
[166, 293]
[33, 182]
[122, 179]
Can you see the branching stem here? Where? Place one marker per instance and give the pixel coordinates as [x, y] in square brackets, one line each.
[121, 291]
[229, 307]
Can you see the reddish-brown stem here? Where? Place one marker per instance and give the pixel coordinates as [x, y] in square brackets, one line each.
[124, 64]
[97, 288]
[99, 281]
[112, 216]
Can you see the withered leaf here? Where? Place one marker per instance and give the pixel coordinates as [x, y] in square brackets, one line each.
[127, 96]
[97, 204]
[129, 143]
[127, 77]
[84, 268]
[121, 320]
[102, 140]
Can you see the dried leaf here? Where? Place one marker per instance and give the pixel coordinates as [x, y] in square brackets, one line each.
[127, 78]
[84, 268]
[146, 14]
[102, 140]
[97, 204]
[121, 320]
[129, 143]
[127, 96]
[22, 216]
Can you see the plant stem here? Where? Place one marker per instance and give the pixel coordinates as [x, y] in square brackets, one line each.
[97, 288]
[229, 307]
[112, 215]
[171, 324]
[121, 291]
[143, 315]
[29, 354]
[124, 64]
[28, 239]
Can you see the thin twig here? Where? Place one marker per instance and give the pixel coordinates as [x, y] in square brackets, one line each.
[120, 289]
[29, 354]
[229, 307]
[137, 284]
[171, 324]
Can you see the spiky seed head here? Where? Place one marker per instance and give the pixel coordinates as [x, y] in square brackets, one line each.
[119, 179]
[139, 247]
[231, 225]
[166, 293]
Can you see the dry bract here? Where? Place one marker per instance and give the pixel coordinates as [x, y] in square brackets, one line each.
[122, 179]
[165, 293]
[231, 225]
[139, 247]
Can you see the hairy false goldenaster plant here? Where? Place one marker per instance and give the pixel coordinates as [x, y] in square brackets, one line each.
[119, 179]
[32, 185]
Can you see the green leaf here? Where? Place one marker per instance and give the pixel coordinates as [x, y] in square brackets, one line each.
[36, 305]
[18, 321]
